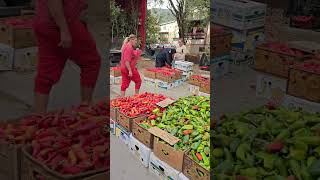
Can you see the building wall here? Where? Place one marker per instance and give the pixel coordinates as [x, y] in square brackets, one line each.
[172, 29]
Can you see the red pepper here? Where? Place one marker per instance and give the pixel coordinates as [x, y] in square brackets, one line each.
[56, 161]
[44, 134]
[36, 150]
[199, 156]
[80, 153]
[99, 142]
[187, 132]
[86, 127]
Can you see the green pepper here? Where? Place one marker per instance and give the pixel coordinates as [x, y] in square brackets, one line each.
[311, 160]
[268, 159]
[276, 177]
[156, 111]
[207, 151]
[145, 126]
[317, 151]
[197, 138]
[314, 169]
[195, 145]
[205, 159]
[195, 133]
[228, 155]
[315, 127]
[200, 148]
[297, 154]
[217, 153]
[153, 122]
[250, 172]
[281, 166]
[284, 134]
[224, 167]
[301, 132]
[301, 146]
[206, 136]
[194, 157]
[309, 140]
[187, 127]
[161, 125]
[295, 168]
[304, 173]
[185, 139]
[242, 151]
[174, 131]
[297, 125]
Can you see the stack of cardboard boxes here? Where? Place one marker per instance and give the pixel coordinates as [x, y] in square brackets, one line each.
[246, 20]
[18, 49]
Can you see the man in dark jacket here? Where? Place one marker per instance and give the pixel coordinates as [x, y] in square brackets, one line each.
[164, 57]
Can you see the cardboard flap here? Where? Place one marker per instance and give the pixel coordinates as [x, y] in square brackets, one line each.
[172, 140]
[165, 102]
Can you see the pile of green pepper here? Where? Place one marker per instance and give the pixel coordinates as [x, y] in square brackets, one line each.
[268, 144]
[189, 120]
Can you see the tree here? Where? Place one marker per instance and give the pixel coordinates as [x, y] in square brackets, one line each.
[153, 28]
[182, 9]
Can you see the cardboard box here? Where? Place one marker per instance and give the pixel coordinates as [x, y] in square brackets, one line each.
[304, 84]
[6, 57]
[122, 134]
[113, 113]
[168, 154]
[31, 168]
[204, 94]
[165, 85]
[149, 74]
[220, 43]
[270, 87]
[178, 83]
[240, 15]
[17, 37]
[247, 40]
[193, 170]
[143, 135]
[219, 68]
[25, 59]
[194, 89]
[141, 151]
[112, 127]
[273, 62]
[183, 177]
[295, 103]
[115, 80]
[205, 87]
[125, 121]
[183, 65]
[161, 169]
[10, 158]
[166, 78]
[115, 73]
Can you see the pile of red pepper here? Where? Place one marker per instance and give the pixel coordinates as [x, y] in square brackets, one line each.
[140, 104]
[284, 48]
[115, 69]
[217, 30]
[165, 71]
[19, 22]
[67, 141]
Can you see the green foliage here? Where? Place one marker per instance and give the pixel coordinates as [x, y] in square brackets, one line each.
[153, 28]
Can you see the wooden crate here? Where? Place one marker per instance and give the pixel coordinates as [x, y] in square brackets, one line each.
[273, 62]
[17, 37]
[304, 85]
[193, 170]
[31, 168]
[126, 122]
[142, 134]
[194, 58]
